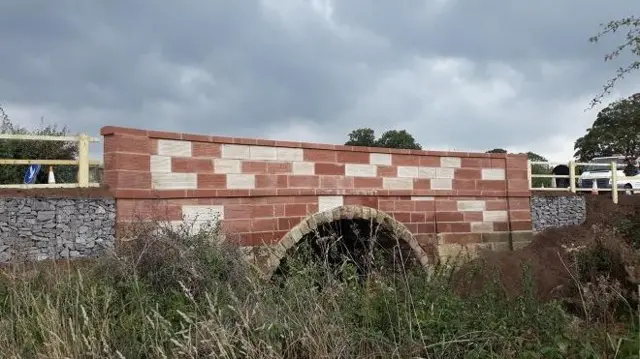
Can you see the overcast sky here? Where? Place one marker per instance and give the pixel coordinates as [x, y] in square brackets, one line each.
[468, 75]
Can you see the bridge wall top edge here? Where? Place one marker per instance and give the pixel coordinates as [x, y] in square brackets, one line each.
[115, 130]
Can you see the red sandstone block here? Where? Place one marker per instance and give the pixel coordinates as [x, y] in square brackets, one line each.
[517, 163]
[336, 182]
[332, 169]
[472, 216]
[498, 163]
[295, 210]
[125, 143]
[312, 208]
[386, 205]
[205, 149]
[463, 238]
[428, 227]
[387, 171]
[288, 192]
[371, 202]
[517, 175]
[303, 199]
[516, 215]
[418, 217]
[405, 160]
[236, 225]
[496, 204]
[314, 155]
[254, 167]
[286, 223]
[353, 157]
[421, 184]
[131, 193]
[276, 167]
[425, 206]
[429, 161]
[490, 185]
[122, 179]
[271, 181]
[304, 181]
[165, 135]
[521, 225]
[367, 182]
[468, 173]
[403, 217]
[196, 138]
[449, 216]
[211, 181]
[191, 165]
[412, 227]
[237, 211]
[264, 224]
[518, 185]
[453, 227]
[446, 205]
[500, 226]
[115, 130]
[475, 163]
[153, 146]
[127, 161]
[139, 210]
[278, 210]
[464, 185]
[404, 205]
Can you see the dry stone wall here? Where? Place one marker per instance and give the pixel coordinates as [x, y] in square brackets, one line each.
[38, 228]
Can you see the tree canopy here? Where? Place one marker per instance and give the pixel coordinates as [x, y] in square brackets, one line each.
[43, 150]
[389, 139]
[497, 150]
[616, 131]
[630, 26]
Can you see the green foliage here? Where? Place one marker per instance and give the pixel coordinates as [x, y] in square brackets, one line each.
[630, 26]
[389, 139]
[616, 131]
[44, 150]
[497, 150]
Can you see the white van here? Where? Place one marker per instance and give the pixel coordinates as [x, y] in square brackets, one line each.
[602, 175]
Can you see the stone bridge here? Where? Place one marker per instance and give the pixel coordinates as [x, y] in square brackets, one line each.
[272, 193]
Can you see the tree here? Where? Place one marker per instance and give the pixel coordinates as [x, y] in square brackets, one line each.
[631, 43]
[616, 131]
[389, 139]
[497, 150]
[20, 149]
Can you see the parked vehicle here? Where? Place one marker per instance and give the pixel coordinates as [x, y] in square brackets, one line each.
[628, 177]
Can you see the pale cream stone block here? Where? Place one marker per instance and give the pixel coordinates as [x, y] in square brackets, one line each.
[441, 184]
[450, 162]
[481, 227]
[422, 198]
[408, 172]
[444, 173]
[497, 174]
[326, 203]
[225, 166]
[495, 216]
[175, 148]
[471, 206]
[237, 152]
[397, 183]
[359, 170]
[241, 181]
[174, 180]
[202, 213]
[160, 164]
[383, 159]
[285, 154]
[427, 172]
[263, 153]
[304, 168]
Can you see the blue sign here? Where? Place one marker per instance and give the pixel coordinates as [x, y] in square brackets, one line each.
[31, 174]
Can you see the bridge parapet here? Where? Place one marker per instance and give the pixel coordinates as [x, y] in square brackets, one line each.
[261, 189]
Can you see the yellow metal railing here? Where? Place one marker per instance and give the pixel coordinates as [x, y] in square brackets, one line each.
[573, 178]
[83, 162]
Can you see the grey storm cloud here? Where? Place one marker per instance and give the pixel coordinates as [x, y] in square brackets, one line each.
[456, 74]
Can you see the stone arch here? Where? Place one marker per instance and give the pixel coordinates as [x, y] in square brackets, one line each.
[309, 224]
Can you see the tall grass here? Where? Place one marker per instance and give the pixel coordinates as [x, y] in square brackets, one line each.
[177, 295]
